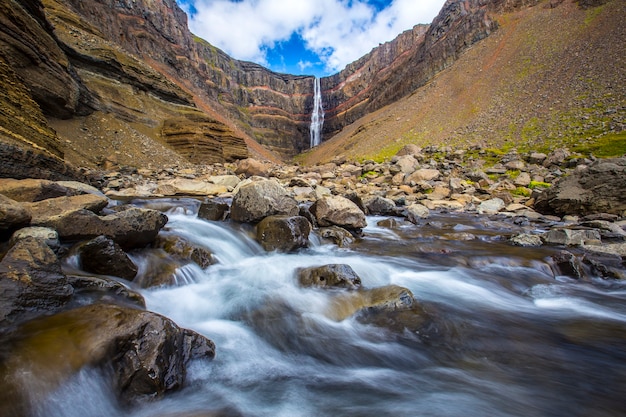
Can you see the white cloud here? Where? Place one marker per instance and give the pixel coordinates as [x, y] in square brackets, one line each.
[338, 31]
[304, 65]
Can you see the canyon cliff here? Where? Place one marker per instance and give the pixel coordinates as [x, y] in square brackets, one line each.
[90, 72]
[125, 82]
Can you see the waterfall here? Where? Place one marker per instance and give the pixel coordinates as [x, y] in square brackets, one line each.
[317, 117]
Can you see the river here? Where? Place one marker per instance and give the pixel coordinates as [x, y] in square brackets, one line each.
[508, 338]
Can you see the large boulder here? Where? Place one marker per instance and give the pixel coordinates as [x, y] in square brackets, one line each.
[329, 276]
[144, 354]
[251, 167]
[380, 205]
[103, 256]
[31, 281]
[338, 211]
[256, 200]
[131, 228]
[283, 233]
[13, 215]
[600, 188]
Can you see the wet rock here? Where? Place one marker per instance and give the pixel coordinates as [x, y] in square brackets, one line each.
[90, 290]
[338, 211]
[213, 210]
[131, 228]
[147, 354]
[46, 209]
[380, 206]
[600, 188]
[103, 256]
[417, 211]
[338, 235]
[572, 237]
[566, 263]
[329, 276]
[605, 265]
[31, 281]
[259, 199]
[526, 239]
[13, 215]
[283, 233]
[45, 234]
[184, 250]
[372, 304]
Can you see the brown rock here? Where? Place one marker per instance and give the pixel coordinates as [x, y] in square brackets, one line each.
[283, 233]
[31, 281]
[45, 209]
[13, 215]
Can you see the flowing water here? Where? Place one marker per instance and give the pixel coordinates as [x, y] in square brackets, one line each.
[317, 115]
[508, 338]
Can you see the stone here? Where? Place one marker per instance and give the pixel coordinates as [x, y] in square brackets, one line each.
[31, 281]
[527, 240]
[329, 276]
[145, 354]
[338, 211]
[45, 209]
[566, 263]
[91, 290]
[409, 149]
[372, 305]
[522, 180]
[251, 167]
[556, 157]
[45, 234]
[213, 210]
[259, 199]
[491, 206]
[416, 212]
[537, 158]
[32, 190]
[184, 250]
[283, 233]
[572, 237]
[338, 235]
[182, 186]
[13, 215]
[423, 174]
[229, 181]
[130, 228]
[380, 206]
[406, 163]
[103, 256]
[600, 188]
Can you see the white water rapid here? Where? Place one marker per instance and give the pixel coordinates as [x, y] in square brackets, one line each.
[317, 117]
[511, 339]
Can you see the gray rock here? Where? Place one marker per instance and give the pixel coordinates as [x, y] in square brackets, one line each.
[49, 236]
[417, 211]
[259, 199]
[338, 211]
[572, 237]
[491, 206]
[380, 205]
[601, 188]
[526, 239]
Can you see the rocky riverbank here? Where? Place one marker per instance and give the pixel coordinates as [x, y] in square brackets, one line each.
[66, 274]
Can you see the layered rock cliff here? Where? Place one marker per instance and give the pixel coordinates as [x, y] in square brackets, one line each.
[99, 72]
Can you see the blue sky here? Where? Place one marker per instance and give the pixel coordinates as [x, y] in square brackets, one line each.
[313, 37]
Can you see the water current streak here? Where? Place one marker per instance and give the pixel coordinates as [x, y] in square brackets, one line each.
[317, 116]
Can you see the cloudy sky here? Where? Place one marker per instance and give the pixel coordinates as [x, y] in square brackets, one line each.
[314, 37]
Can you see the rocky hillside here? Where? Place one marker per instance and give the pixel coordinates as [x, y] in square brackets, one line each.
[521, 87]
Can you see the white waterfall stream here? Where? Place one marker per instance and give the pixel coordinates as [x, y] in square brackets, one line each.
[317, 116]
